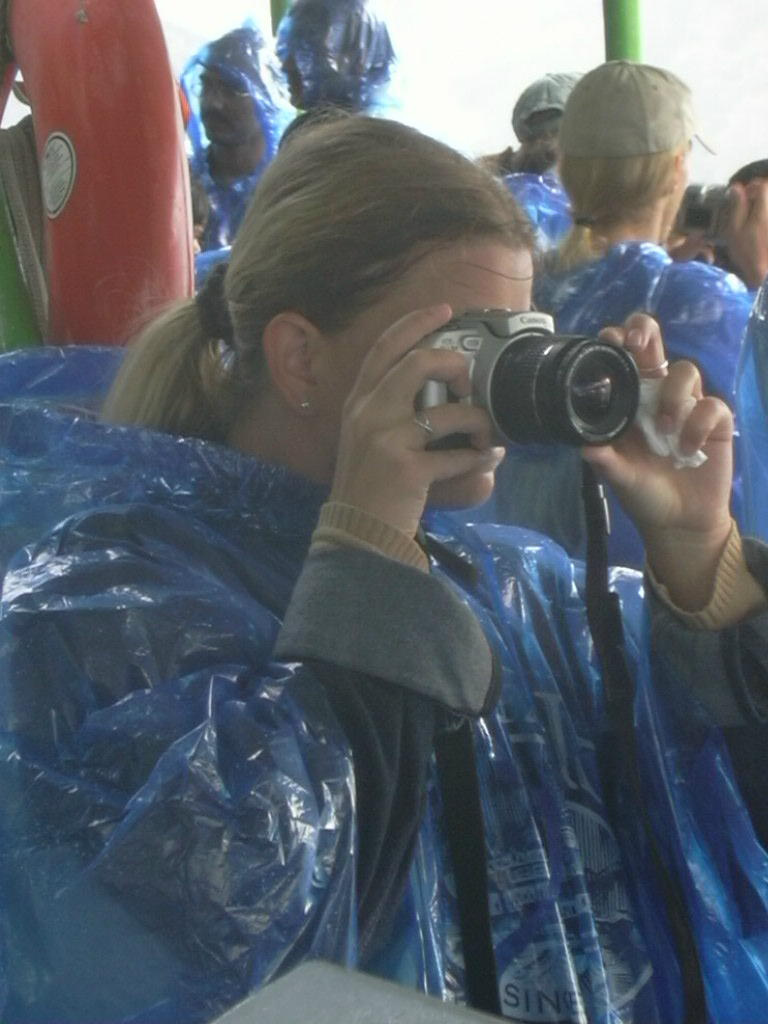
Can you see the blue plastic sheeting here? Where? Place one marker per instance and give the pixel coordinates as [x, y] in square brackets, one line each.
[177, 816]
[752, 414]
[79, 375]
[245, 60]
[546, 202]
[73, 379]
[197, 813]
[702, 310]
[342, 53]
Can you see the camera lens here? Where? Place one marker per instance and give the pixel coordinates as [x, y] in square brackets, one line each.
[569, 389]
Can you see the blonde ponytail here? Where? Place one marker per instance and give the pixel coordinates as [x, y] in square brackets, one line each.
[172, 379]
[605, 192]
[579, 246]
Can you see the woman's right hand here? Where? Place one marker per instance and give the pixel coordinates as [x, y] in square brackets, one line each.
[682, 514]
[383, 465]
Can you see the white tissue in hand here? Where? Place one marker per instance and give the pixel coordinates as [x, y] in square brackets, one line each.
[659, 443]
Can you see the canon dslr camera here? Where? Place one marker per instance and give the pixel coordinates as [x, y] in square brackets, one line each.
[538, 386]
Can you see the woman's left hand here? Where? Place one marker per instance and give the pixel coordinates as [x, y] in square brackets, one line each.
[683, 515]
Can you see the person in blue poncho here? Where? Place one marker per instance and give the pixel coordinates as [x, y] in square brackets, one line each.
[530, 172]
[536, 118]
[239, 108]
[752, 411]
[624, 140]
[241, 648]
[336, 53]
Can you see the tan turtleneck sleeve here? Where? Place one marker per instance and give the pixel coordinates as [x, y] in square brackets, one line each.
[344, 524]
[736, 594]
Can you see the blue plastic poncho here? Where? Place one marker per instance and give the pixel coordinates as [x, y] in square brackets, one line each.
[109, 929]
[177, 813]
[701, 309]
[341, 52]
[546, 202]
[752, 415]
[244, 59]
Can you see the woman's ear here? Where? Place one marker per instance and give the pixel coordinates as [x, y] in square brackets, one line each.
[289, 342]
[681, 169]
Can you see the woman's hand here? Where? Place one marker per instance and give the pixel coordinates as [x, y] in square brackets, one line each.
[383, 466]
[683, 515]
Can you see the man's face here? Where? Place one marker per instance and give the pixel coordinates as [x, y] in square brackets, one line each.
[544, 124]
[228, 112]
[295, 82]
[539, 150]
[537, 156]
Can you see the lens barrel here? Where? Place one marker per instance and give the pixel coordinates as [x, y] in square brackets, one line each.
[563, 388]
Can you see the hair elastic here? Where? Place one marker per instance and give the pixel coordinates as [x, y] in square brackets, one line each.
[212, 306]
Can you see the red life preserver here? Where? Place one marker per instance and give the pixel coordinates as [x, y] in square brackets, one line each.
[113, 168]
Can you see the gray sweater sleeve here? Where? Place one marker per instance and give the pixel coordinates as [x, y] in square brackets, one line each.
[727, 669]
[359, 610]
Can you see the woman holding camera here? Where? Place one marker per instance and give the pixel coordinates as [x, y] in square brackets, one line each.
[225, 675]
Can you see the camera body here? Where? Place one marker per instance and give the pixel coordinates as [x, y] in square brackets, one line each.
[538, 386]
[705, 208]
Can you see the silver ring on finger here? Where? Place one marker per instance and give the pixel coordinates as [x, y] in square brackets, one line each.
[652, 370]
[422, 420]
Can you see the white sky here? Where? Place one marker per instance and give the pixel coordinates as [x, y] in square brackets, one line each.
[461, 73]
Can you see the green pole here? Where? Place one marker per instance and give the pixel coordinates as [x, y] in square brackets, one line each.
[18, 324]
[622, 29]
[278, 8]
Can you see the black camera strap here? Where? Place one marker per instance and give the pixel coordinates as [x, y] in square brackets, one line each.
[465, 827]
[619, 747]
[465, 833]
[462, 813]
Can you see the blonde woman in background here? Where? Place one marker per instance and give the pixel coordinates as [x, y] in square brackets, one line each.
[625, 137]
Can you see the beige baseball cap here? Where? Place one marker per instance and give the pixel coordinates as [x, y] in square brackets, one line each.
[622, 108]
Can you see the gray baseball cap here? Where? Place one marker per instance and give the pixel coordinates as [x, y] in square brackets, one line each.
[623, 108]
[547, 93]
